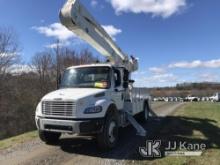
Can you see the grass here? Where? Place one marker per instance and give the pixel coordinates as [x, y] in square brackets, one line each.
[193, 123]
[7, 143]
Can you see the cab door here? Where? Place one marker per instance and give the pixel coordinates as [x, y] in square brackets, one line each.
[118, 90]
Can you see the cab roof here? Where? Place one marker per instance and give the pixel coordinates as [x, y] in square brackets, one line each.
[90, 65]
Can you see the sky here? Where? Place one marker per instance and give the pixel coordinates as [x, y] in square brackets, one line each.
[175, 41]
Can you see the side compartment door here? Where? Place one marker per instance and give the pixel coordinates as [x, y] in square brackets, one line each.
[137, 100]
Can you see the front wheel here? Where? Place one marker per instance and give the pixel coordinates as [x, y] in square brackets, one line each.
[108, 138]
[49, 137]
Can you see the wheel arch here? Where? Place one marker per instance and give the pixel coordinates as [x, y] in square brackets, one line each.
[112, 109]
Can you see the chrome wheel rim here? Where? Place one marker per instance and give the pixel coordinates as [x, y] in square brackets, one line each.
[111, 131]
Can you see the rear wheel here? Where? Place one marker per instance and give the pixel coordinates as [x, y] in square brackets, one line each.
[108, 138]
[49, 137]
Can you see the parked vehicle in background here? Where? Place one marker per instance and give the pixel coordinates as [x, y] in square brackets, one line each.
[191, 98]
[215, 97]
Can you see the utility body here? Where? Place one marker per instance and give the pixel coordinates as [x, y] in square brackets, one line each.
[93, 99]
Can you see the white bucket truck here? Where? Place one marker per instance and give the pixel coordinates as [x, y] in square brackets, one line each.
[93, 99]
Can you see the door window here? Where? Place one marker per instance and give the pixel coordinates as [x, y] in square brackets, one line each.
[117, 77]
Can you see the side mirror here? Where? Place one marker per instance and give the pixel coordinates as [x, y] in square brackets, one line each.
[126, 75]
[125, 85]
[131, 81]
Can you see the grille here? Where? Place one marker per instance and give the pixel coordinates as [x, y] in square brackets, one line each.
[59, 108]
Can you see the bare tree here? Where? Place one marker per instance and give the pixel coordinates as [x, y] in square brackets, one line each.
[8, 56]
[69, 58]
[65, 57]
[42, 63]
[8, 49]
[86, 57]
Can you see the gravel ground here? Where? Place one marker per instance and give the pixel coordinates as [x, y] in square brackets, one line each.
[83, 150]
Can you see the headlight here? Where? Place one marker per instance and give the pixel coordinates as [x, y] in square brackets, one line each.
[95, 109]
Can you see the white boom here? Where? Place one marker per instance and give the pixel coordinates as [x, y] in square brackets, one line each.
[76, 18]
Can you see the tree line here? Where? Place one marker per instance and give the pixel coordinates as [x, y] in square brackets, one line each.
[20, 92]
[203, 89]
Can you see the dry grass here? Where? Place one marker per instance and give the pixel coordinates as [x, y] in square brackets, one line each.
[17, 140]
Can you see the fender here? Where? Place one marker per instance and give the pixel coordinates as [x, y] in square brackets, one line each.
[105, 103]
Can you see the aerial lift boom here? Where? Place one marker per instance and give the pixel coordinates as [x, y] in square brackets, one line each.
[77, 19]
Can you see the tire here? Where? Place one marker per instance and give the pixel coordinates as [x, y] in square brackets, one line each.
[144, 115]
[108, 138]
[49, 137]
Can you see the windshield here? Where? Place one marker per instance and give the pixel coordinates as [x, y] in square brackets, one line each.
[90, 77]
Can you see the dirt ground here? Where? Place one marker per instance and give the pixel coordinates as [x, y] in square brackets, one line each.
[83, 150]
